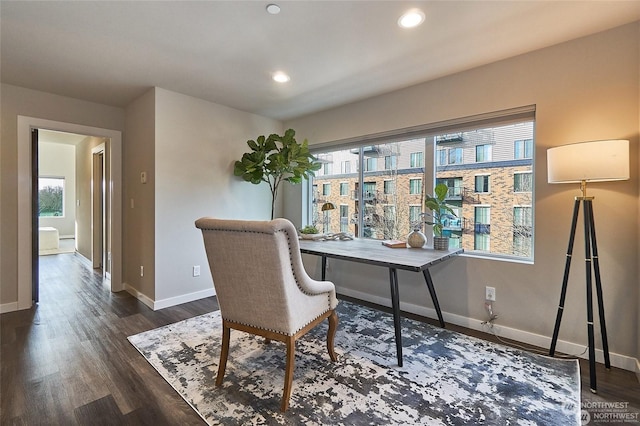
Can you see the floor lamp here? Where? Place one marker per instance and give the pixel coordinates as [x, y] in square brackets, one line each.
[597, 161]
[326, 207]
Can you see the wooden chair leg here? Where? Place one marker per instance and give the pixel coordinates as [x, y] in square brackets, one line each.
[288, 375]
[224, 353]
[333, 325]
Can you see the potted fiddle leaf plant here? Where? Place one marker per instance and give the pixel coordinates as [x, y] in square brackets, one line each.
[275, 159]
[440, 211]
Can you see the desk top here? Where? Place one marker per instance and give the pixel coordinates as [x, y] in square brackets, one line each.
[371, 251]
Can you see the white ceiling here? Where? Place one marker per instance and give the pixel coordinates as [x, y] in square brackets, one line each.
[225, 51]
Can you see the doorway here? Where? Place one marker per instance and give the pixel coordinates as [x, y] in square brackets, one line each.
[70, 200]
[112, 203]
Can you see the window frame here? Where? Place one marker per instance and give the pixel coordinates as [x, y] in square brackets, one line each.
[433, 152]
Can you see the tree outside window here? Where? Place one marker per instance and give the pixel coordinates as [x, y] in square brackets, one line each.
[50, 197]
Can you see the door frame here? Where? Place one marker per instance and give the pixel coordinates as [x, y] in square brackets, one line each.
[98, 206]
[25, 230]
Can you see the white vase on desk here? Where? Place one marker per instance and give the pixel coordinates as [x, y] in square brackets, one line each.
[416, 239]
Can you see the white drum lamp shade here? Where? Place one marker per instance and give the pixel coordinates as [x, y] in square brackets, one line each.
[596, 161]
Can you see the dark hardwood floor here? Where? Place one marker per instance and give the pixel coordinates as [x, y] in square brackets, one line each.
[67, 361]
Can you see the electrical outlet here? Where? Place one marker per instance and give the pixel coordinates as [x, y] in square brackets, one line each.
[490, 293]
[196, 271]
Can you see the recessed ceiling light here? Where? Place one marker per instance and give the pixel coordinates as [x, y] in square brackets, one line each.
[273, 9]
[411, 18]
[281, 77]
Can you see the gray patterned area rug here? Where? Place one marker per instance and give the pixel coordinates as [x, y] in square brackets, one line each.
[447, 378]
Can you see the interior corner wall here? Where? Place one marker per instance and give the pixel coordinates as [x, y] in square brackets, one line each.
[585, 89]
[196, 145]
[58, 160]
[17, 101]
[84, 173]
[138, 245]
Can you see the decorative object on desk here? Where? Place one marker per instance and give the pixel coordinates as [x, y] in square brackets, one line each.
[448, 378]
[416, 239]
[310, 232]
[597, 161]
[275, 159]
[394, 243]
[440, 212]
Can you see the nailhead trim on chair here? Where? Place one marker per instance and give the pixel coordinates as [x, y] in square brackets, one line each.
[294, 276]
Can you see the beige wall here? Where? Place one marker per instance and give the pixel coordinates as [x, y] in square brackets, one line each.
[187, 147]
[583, 90]
[139, 200]
[19, 101]
[84, 168]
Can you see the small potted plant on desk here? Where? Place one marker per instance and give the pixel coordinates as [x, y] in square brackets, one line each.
[440, 211]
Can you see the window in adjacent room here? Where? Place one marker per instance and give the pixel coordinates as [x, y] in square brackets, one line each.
[51, 196]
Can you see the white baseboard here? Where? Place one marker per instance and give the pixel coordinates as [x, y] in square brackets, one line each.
[8, 307]
[138, 295]
[183, 298]
[617, 360]
[171, 301]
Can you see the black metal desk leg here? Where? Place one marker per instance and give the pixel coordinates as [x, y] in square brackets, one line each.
[434, 298]
[324, 267]
[395, 304]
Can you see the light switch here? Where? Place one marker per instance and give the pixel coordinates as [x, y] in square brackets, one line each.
[143, 177]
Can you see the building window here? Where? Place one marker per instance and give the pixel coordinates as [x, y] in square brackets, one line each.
[441, 157]
[522, 182]
[326, 189]
[345, 167]
[370, 164]
[483, 153]
[482, 184]
[414, 215]
[417, 159]
[326, 169]
[455, 156]
[344, 188]
[389, 187]
[344, 218]
[415, 186]
[482, 228]
[523, 149]
[51, 196]
[390, 162]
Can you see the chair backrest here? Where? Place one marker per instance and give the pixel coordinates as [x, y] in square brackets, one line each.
[256, 267]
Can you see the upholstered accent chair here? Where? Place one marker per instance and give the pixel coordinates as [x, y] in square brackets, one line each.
[263, 289]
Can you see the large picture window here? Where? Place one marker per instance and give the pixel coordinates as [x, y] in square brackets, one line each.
[476, 163]
[51, 196]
